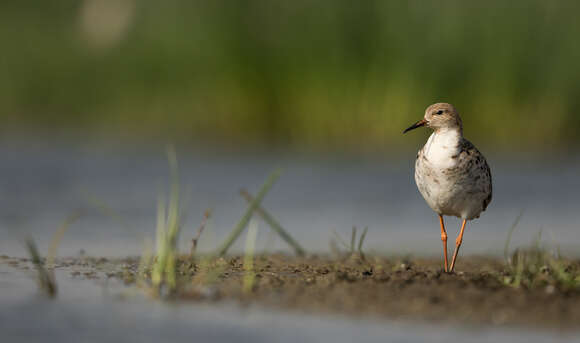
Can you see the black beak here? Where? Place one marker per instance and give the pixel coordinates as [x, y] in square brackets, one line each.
[420, 123]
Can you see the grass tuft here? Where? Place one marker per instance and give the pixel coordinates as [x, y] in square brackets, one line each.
[537, 266]
[165, 266]
[509, 236]
[163, 275]
[353, 249]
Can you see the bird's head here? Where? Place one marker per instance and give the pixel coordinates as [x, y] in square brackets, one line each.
[439, 116]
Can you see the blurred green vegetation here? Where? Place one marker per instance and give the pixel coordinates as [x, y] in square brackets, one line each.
[310, 74]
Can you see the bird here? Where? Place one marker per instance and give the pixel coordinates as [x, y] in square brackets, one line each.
[451, 174]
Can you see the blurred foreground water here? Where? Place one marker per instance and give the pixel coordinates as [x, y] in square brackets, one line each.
[89, 311]
[116, 190]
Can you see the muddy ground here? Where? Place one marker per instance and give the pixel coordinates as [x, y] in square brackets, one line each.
[480, 292]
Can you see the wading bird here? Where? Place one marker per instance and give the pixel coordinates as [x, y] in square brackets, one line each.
[451, 174]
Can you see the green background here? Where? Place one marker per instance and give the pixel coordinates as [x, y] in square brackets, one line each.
[302, 74]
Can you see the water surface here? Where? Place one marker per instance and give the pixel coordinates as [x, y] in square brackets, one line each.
[116, 190]
[90, 311]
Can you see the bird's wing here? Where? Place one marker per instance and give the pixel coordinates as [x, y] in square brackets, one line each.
[477, 164]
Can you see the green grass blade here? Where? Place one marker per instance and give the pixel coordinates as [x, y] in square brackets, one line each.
[158, 268]
[57, 237]
[275, 225]
[339, 239]
[168, 217]
[509, 236]
[361, 240]
[249, 276]
[248, 214]
[352, 239]
[46, 281]
[173, 209]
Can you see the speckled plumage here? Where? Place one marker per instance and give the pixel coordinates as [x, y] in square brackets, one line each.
[460, 186]
[451, 174]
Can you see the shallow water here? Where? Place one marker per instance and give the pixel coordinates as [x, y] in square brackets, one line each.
[117, 189]
[87, 311]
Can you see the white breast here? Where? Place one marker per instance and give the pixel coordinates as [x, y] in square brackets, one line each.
[441, 147]
[452, 182]
[437, 188]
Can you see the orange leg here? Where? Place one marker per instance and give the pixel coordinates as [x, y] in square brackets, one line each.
[444, 240]
[458, 244]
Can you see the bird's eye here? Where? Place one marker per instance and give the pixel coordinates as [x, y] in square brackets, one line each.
[439, 112]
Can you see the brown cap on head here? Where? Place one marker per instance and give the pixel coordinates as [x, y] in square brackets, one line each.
[439, 116]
